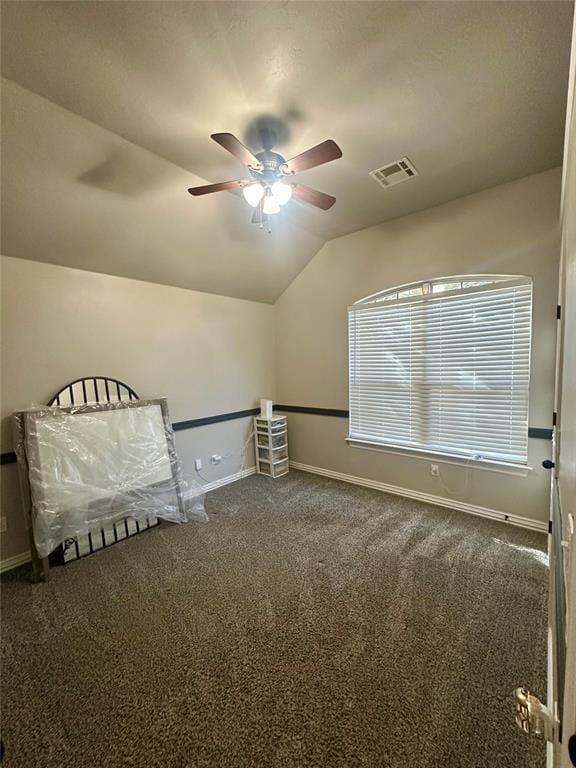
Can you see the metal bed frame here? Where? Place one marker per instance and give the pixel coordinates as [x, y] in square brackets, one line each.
[91, 389]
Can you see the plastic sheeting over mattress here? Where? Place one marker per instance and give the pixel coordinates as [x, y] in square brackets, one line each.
[92, 465]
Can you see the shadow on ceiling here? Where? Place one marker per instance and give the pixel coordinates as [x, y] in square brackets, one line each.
[280, 126]
[124, 173]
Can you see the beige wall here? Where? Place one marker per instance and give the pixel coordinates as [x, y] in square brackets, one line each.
[510, 229]
[208, 354]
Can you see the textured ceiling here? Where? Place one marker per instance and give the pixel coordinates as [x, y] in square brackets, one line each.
[95, 172]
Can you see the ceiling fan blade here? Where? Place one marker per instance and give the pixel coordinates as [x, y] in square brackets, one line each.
[318, 155]
[259, 217]
[208, 188]
[236, 148]
[313, 196]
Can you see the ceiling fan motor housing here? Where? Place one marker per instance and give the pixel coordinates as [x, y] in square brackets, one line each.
[271, 163]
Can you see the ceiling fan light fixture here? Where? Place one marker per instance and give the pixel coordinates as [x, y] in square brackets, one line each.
[281, 192]
[270, 205]
[253, 193]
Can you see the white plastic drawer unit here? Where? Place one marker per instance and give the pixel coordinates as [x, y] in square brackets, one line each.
[280, 468]
[275, 440]
[278, 454]
[271, 446]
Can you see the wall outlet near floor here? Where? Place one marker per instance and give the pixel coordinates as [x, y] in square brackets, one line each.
[3, 525]
[198, 465]
[434, 470]
[215, 458]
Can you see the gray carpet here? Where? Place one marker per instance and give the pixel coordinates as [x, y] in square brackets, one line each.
[308, 623]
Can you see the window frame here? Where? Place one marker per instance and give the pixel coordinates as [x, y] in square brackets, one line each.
[482, 284]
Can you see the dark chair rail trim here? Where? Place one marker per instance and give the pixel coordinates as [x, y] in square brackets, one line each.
[540, 433]
[192, 423]
[314, 411]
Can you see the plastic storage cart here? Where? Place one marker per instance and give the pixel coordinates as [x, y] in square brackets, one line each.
[271, 446]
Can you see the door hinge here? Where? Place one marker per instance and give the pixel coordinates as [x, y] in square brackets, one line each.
[558, 312]
[532, 717]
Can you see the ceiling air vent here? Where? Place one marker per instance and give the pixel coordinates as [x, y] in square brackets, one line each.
[394, 173]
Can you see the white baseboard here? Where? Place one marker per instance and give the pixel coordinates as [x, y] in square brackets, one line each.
[228, 479]
[524, 522]
[462, 506]
[13, 562]
[24, 557]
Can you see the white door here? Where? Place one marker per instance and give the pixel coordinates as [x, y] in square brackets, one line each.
[557, 720]
[561, 697]
[562, 666]
[559, 717]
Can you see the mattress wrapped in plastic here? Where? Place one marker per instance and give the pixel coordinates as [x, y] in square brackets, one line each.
[92, 465]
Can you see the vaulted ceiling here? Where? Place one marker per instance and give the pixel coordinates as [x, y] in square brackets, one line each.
[108, 108]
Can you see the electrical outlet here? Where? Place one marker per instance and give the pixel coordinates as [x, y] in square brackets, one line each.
[198, 464]
[3, 525]
[215, 458]
[434, 471]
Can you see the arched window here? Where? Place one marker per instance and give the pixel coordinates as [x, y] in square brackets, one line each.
[443, 366]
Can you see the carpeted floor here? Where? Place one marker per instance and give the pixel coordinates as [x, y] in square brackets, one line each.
[308, 623]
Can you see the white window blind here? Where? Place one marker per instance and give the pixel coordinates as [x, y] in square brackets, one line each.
[445, 372]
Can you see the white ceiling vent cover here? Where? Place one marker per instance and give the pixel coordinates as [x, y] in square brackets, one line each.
[394, 173]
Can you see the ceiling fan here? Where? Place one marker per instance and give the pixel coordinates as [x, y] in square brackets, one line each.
[267, 191]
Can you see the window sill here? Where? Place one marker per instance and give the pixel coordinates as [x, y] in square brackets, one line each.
[519, 470]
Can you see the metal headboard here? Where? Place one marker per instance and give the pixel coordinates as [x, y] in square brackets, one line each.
[93, 389]
[96, 389]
